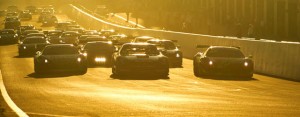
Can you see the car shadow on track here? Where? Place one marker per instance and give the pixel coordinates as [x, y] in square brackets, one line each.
[139, 77]
[228, 78]
[52, 75]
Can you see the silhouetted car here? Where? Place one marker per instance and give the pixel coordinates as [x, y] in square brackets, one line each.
[96, 38]
[83, 38]
[31, 9]
[21, 29]
[222, 61]
[8, 36]
[98, 53]
[142, 39]
[36, 35]
[44, 15]
[53, 36]
[25, 15]
[12, 14]
[12, 23]
[13, 8]
[170, 50]
[59, 58]
[119, 39]
[31, 45]
[140, 58]
[49, 21]
[69, 37]
[62, 26]
[90, 32]
[26, 32]
[107, 33]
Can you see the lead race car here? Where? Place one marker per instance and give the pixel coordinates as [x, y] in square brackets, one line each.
[222, 61]
[140, 58]
[60, 57]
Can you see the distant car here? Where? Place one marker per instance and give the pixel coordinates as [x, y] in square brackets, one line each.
[8, 36]
[59, 58]
[140, 58]
[98, 53]
[31, 45]
[13, 8]
[25, 15]
[12, 14]
[53, 36]
[70, 37]
[26, 32]
[96, 38]
[12, 23]
[169, 49]
[31, 9]
[107, 33]
[36, 35]
[21, 29]
[119, 39]
[49, 21]
[44, 15]
[142, 39]
[222, 61]
[83, 38]
[90, 32]
[62, 26]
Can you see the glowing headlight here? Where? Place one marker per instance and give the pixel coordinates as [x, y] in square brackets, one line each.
[100, 59]
[46, 61]
[210, 63]
[246, 64]
[79, 59]
[85, 54]
[24, 47]
[177, 55]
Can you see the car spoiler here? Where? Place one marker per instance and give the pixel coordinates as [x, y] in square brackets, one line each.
[207, 46]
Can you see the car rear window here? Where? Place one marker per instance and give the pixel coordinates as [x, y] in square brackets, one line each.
[60, 50]
[34, 40]
[225, 52]
[128, 50]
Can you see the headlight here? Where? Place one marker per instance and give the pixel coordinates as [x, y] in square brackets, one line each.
[210, 63]
[24, 47]
[85, 54]
[79, 59]
[246, 64]
[100, 59]
[46, 61]
[177, 55]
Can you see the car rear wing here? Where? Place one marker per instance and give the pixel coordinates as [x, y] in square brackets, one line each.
[207, 46]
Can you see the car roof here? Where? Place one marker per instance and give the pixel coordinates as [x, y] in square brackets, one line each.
[60, 45]
[138, 44]
[227, 47]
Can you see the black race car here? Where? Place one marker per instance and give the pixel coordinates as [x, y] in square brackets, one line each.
[31, 9]
[119, 39]
[49, 21]
[69, 37]
[8, 36]
[12, 23]
[83, 38]
[140, 58]
[21, 29]
[169, 49]
[222, 61]
[58, 58]
[25, 15]
[107, 33]
[31, 45]
[98, 53]
[26, 32]
[53, 36]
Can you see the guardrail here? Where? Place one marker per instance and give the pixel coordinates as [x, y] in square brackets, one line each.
[280, 59]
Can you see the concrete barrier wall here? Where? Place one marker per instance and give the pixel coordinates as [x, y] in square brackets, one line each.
[272, 58]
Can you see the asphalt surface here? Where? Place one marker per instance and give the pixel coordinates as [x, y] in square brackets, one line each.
[97, 93]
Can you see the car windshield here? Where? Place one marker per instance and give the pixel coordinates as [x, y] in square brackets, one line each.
[60, 50]
[167, 45]
[225, 52]
[69, 35]
[34, 40]
[128, 50]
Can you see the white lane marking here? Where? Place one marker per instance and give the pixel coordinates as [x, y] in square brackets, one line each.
[9, 101]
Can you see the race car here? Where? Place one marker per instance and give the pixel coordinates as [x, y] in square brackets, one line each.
[69, 37]
[21, 29]
[49, 21]
[25, 15]
[169, 49]
[59, 58]
[107, 33]
[83, 38]
[12, 23]
[140, 58]
[222, 61]
[53, 36]
[120, 39]
[31, 45]
[36, 35]
[27, 32]
[8, 36]
[98, 53]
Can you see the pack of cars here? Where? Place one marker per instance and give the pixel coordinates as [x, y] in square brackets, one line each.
[72, 48]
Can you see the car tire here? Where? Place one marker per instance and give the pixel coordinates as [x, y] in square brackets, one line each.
[196, 69]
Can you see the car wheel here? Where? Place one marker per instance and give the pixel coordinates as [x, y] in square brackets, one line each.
[196, 69]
